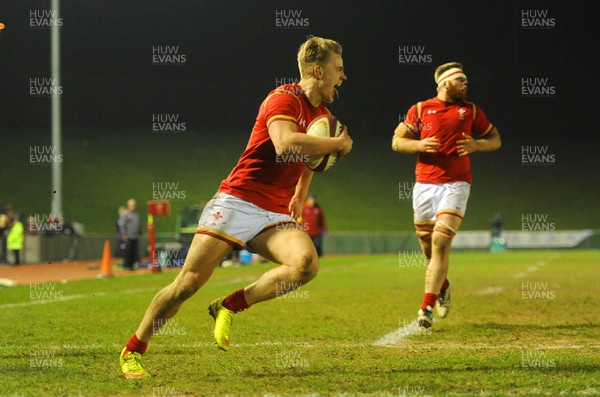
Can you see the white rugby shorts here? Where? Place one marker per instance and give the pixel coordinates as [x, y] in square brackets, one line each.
[431, 200]
[237, 221]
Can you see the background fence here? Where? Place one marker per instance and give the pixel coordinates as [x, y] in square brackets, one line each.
[52, 248]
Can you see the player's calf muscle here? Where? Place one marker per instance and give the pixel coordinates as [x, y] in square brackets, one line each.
[186, 285]
[182, 290]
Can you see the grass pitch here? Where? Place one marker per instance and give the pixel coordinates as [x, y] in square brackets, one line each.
[522, 323]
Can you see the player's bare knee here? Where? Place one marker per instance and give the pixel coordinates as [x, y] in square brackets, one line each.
[306, 267]
[442, 247]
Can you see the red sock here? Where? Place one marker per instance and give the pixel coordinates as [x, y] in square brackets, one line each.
[445, 285]
[136, 345]
[236, 302]
[429, 300]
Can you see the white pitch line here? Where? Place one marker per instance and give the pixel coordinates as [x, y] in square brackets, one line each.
[530, 269]
[72, 297]
[96, 294]
[45, 301]
[304, 345]
[490, 291]
[401, 333]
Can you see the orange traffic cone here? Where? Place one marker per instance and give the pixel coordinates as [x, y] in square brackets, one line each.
[106, 266]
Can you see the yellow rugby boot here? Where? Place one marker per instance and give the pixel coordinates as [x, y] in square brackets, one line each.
[223, 320]
[131, 365]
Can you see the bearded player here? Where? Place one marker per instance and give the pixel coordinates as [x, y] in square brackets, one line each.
[257, 204]
[440, 130]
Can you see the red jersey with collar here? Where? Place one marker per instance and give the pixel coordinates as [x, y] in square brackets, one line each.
[446, 121]
[261, 176]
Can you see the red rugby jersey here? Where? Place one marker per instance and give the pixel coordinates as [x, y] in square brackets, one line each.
[446, 121]
[261, 176]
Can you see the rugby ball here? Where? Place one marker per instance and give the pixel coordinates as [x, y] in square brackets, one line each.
[326, 126]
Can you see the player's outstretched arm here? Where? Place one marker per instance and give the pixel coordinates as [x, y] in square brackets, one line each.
[285, 137]
[403, 142]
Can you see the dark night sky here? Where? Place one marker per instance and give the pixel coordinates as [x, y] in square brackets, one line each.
[235, 54]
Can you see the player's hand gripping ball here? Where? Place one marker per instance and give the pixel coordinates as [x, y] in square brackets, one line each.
[326, 126]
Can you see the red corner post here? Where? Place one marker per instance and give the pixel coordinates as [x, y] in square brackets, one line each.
[155, 208]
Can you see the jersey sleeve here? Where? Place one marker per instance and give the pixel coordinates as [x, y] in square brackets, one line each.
[412, 119]
[481, 124]
[282, 106]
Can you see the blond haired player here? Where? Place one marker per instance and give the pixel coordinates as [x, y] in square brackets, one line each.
[440, 130]
[256, 205]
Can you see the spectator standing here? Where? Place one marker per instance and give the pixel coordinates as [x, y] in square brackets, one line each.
[131, 231]
[15, 238]
[313, 220]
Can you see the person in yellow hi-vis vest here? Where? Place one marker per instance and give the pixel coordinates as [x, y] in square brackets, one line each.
[15, 238]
